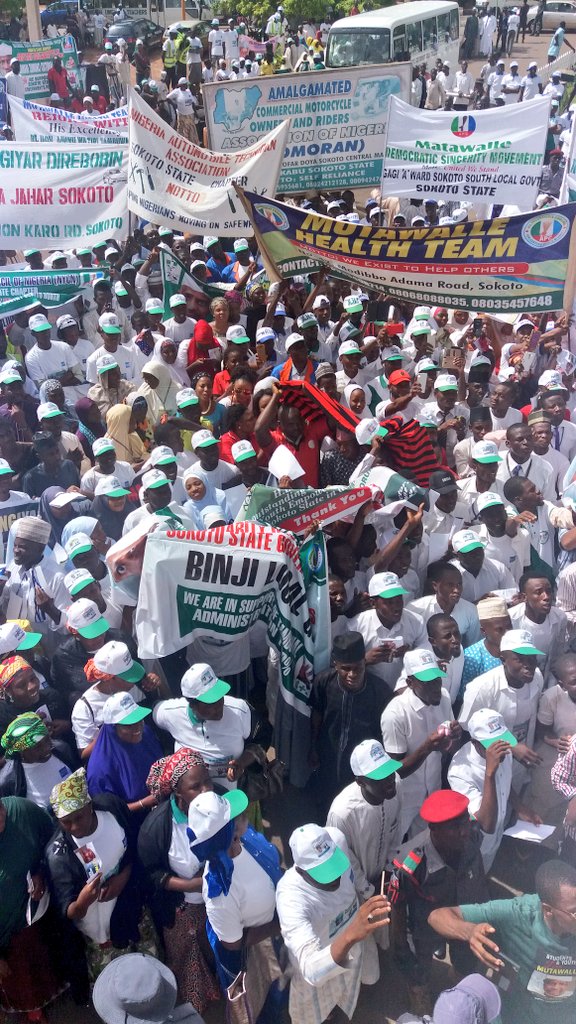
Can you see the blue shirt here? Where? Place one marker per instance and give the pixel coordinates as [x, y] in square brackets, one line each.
[477, 660]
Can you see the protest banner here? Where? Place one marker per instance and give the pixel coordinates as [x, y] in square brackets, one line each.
[61, 196]
[524, 263]
[51, 287]
[490, 154]
[337, 121]
[218, 583]
[247, 44]
[177, 183]
[33, 122]
[568, 187]
[176, 279]
[36, 61]
[17, 508]
[298, 510]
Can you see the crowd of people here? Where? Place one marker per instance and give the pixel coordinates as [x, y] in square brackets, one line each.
[139, 797]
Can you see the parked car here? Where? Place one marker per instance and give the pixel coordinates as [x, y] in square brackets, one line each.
[148, 31]
[203, 28]
[59, 13]
[555, 12]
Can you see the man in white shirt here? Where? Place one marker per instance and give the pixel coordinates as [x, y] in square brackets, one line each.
[106, 465]
[520, 461]
[194, 58]
[68, 331]
[513, 689]
[388, 629]
[33, 588]
[446, 76]
[435, 93]
[463, 85]
[480, 575]
[417, 727]
[537, 614]
[511, 84]
[501, 411]
[322, 927]
[110, 330]
[231, 42]
[47, 359]
[367, 812]
[185, 102]
[512, 32]
[15, 84]
[216, 40]
[179, 327]
[531, 84]
[495, 82]
[553, 405]
[446, 582]
[541, 429]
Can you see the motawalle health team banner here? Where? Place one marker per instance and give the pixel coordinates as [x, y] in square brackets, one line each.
[216, 584]
[33, 122]
[500, 265]
[36, 61]
[177, 183]
[58, 196]
[337, 121]
[494, 154]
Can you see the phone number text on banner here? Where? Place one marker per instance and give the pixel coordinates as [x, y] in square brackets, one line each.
[33, 122]
[36, 60]
[494, 154]
[505, 264]
[62, 196]
[337, 121]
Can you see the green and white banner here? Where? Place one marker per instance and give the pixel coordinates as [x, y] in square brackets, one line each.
[173, 181]
[177, 279]
[51, 287]
[299, 510]
[337, 121]
[36, 61]
[34, 122]
[494, 155]
[219, 583]
[56, 197]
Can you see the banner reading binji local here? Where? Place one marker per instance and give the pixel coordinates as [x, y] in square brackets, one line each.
[33, 122]
[500, 265]
[337, 121]
[495, 154]
[58, 196]
[173, 181]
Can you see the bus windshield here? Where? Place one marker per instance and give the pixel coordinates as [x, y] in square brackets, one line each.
[348, 49]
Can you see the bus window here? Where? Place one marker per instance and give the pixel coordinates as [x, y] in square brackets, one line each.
[400, 49]
[429, 34]
[348, 49]
[414, 36]
[444, 28]
[454, 25]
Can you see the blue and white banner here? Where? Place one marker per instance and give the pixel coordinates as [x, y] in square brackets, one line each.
[337, 121]
[495, 156]
[33, 122]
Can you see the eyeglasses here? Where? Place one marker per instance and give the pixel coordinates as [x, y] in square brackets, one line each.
[560, 910]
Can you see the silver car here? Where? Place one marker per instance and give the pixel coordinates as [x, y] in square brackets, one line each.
[555, 12]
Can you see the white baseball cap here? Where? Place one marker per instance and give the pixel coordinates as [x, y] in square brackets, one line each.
[122, 709]
[66, 320]
[203, 439]
[5, 468]
[315, 851]
[162, 455]
[110, 487]
[79, 544]
[76, 580]
[485, 452]
[385, 584]
[519, 641]
[306, 320]
[106, 362]
[14, 638]
[154, 306]
[446, 382]
[293, 339]
[488, 500]
[115, 659]
[551, 380]
[466, 540]
[109, 323]
[241, 245]
[486, 726]
[353, 304]
[367, 430]
[369, 760]
[153, 479]
[349, 348]
[39, 322]
[119, 289]
[237, 334]
[348, 331]
[101, 445]
[426, 365]
[200, 682]
[320, 302]
[177, 300]
[265, 334]
[84, 617]
[209, 813]
[393, 353]
[422, 664]
[242, 450]
[184, 398]
[64, 498]
[48, 410]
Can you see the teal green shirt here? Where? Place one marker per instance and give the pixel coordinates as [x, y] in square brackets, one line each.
[545, 989]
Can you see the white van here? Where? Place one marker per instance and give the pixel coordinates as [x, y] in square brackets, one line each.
[419, 32]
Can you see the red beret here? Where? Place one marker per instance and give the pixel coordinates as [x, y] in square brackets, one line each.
[398, 377]
[443, 805]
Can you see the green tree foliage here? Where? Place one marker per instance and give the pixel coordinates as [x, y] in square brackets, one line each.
[296, 11]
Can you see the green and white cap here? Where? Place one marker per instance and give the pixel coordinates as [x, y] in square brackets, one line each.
[162, 455]
[153, 479]
[446, 382]
[5, 468]
[200, 682]
[101, 445]
[122, 709]
[485, 452]
[519, 641]
[203, 439]
[115, 659]
[385, 584]
[314, 851]
[106, 362]
[84, 617]
[109, 323]
[110, 487]
[489, 499]
[367, 430]
[242, 450]
[369, 760]
[353, 304]
[487, 726]
[464, 541]
[79, 544]
[48, 410]
[209, 813]
[423, 665]
[77, 580]
[185, 398]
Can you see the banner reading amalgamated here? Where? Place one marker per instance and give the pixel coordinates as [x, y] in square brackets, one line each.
[500, 265]
[60, 196]
[494, 155]
[337, 121]
[218, 583]
[36, 61]
[177, 183]
[51, 287]
[33, 122]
